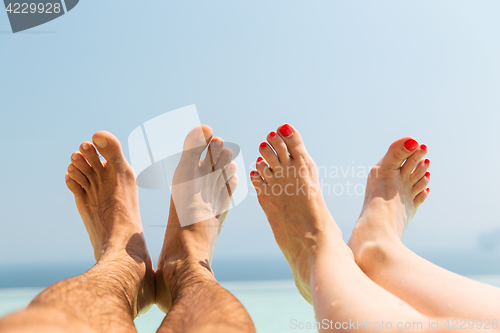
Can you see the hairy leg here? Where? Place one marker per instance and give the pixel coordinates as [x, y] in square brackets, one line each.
[186, 287]
[395, 189]
[120, 286]
[322, 264]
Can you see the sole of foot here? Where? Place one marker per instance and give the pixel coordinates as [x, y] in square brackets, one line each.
[201, 197]
[396, 187]
[288, 191]
[106, 196]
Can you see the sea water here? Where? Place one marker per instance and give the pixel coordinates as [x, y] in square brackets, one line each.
[273, 305]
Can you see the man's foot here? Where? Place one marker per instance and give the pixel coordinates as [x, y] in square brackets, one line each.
[396, 187]
[289, 192]
[201, 197]
[106, 196]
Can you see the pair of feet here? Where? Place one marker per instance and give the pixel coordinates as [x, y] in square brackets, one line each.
[289, 192]
[106, 196]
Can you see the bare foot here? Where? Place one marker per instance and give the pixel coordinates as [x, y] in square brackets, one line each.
[396, 187]
[288, 190]
[106, 196]
[201, 197]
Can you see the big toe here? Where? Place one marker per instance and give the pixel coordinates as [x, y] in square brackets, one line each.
[293, 141]
[398, 152]
[110, 148]
[196, 141]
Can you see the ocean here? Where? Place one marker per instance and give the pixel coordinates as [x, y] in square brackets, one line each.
[273, 305]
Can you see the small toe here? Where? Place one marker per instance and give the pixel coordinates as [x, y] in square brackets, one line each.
[420, 198]
[79, 161]
[213, 153]
[90, 153]
[73, 186]
[264, 170]
[398, 152]
[110, 148]
[225, 194]
[412, 161]
[258, 183]
[78, 177]
[232, 184]
[269, 155]
[226, 156]
[420, 170]
[226, 174]
[422, 183]
[293, 140]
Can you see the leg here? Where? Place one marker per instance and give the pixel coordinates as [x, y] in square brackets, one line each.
[323, 266]
[111, 294]
[186, 286]
[393, 194]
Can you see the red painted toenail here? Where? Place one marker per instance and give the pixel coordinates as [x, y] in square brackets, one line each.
[286, 130]
[427, 174]
[411, 144]
[253, 173]
[260, 159]
[263, 145]
[272, 134]
[423, 147]
[427, 161]
[428, 190]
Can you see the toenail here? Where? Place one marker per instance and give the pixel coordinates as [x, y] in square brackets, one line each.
[260, 159]
[74, 157]
[253, 173]
[101, 143]
[85, 146]
[272, 134]
[427, 174]
[427, 161]
[71, 167]
[428, 190]
[286, 130]
[411, 144]
[423, 147]
[263, 145]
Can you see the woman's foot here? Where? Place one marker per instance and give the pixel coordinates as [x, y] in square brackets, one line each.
[396, 187]
[106, 196]
[289, 192]
[201, 197]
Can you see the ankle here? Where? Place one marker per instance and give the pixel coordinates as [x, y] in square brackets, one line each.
[375, 253]
[324, 242]
[181, 271]
[130, 278]
[367, 233]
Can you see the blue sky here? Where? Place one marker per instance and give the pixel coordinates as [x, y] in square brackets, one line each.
[352, 76]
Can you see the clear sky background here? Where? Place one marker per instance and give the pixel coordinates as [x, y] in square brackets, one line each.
[352, 76]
